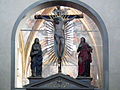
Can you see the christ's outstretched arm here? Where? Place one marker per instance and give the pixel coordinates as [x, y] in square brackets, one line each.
[70, 19]
[50, 20]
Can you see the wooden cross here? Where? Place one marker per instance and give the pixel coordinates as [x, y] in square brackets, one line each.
[59, 21]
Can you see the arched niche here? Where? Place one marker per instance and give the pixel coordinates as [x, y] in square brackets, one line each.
[69, 3]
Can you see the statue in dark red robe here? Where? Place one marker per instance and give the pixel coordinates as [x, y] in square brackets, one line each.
[84, 58]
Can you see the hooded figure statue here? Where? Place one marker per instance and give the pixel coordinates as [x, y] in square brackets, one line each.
[36, 58]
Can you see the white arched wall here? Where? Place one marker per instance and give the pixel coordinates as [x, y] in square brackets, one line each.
[70, 3]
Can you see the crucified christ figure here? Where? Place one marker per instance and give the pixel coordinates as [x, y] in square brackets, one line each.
[59, 36]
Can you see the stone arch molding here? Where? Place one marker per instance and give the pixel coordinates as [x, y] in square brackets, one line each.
[69, 3]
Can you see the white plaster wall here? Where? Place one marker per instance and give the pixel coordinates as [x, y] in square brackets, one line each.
[9, 12]
[110, 13]
[107, 9]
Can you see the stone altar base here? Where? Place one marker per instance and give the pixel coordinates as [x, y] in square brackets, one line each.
[59, 82]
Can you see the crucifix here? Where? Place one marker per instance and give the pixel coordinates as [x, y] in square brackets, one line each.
[59, 20]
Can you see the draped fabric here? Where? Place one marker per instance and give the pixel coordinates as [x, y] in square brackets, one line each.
[36, 59]
[84, 59]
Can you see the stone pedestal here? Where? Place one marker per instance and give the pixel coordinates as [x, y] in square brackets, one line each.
[86, 80]
[34, 79]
